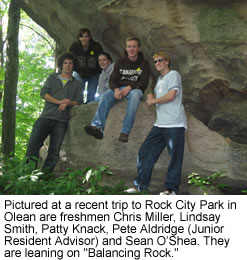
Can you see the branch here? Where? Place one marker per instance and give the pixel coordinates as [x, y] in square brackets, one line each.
[42, 36]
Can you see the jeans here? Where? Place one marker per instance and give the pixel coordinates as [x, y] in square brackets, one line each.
[91, 87]
[150, 150]
[106, 102]
[41, 129]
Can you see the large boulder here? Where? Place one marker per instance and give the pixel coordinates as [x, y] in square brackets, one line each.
[223, 110]
[205, 150]
[83, 150]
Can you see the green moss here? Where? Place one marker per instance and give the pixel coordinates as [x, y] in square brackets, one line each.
[221, 25]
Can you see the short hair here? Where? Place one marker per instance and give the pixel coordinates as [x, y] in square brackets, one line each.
[67, 56]
[82, 31]
[107, 55]
[134, 39]
[164, 55]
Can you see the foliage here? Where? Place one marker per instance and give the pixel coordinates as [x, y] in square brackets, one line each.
[36, 62]
[29, 104]
[32, 74]
[208, 183]
[4, 7]
[94, 176]
[1, 78]
[244, 191]
[18, 178]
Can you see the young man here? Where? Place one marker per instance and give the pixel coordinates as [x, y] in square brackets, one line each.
[128, 80]
[61, 91]
[168, 130]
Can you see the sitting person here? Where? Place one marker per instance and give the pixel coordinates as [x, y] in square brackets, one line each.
[168, 130]
[128, 80]
[87, 52]
[105, 63]
[61, 91]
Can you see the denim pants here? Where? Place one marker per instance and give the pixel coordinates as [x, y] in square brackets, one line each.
[41, 129]
[106, 102]
[151, 149]
[91, 87]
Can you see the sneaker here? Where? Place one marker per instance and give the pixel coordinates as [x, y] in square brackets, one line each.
[132, 190]
[93, 131]
[168, 192]
[123, 138]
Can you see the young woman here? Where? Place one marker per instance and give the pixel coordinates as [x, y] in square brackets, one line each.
[87, 52]
[105, 63]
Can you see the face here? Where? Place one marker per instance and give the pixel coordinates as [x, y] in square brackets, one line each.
[132, 49]
[104, 62]
[67, 66]
[160, 64]
[84, 39]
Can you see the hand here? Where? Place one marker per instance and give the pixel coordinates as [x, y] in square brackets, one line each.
[62, 107]
[65, 101]
[117, 94]
[125, 91]
[150, 99]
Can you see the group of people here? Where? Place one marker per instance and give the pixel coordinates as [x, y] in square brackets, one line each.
[127, 78]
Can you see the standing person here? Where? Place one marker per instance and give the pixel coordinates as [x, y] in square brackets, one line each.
[61, 91]
[105, 63]
[168, 130]
[128, 80]
[87, 52]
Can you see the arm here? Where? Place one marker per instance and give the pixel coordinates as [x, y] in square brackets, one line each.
[77, 99]
[62, 103]
[142, 82]
[100, 49]
[47, 97]
[125, 91]
[113, 81]
[170, 96]
[115, 77]
[117, 94]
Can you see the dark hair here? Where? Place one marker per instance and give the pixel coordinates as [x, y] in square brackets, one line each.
[134, 39]
[82, 31]
[107, 55]
[68, 56]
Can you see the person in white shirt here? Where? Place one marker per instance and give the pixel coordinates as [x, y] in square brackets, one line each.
[168, 130]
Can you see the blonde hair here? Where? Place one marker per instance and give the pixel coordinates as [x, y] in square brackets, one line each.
[164, 55]
[134, 39]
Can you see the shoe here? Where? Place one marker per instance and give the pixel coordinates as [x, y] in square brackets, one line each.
[132, 190]
[123, 138]
[93, 131]
[168, 192]
[135, 190]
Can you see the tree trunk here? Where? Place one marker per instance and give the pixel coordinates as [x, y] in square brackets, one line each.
[10, 82]
[1, 54]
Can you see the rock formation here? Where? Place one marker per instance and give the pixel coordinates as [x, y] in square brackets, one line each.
[207, 43]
